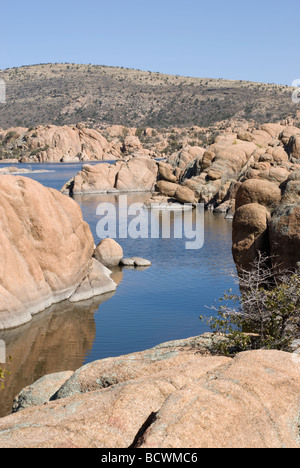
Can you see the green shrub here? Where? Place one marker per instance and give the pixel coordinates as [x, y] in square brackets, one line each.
[265, 315]
[12, 135]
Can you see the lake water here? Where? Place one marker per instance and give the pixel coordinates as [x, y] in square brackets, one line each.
[151, 306]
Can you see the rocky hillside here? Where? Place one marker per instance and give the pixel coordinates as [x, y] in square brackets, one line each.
[73, 143]
[68, 94]
[56, 144]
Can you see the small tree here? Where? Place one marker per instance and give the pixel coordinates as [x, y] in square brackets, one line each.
[266, 313]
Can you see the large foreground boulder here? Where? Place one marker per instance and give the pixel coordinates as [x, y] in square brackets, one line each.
[173, 396]
[46, 252]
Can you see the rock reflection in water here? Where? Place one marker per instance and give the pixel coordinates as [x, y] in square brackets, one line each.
[56, 340]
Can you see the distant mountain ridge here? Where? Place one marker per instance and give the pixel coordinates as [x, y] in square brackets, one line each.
[100, 95]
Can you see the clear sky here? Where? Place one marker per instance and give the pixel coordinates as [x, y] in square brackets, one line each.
[254, 40]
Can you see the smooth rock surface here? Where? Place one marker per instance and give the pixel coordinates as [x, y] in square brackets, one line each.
[250, 233]
[262, 192]
[46, 250]
[127, 262]
[141, 262]
[109, 252]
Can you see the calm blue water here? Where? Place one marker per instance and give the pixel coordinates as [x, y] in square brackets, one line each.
[62, 172]
[163, 302]
[159, 304]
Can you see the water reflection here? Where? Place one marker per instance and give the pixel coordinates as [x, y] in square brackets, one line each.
[56, 340]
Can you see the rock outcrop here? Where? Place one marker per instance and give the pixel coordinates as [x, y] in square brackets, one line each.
[46, 252]
[266, 154]
[236, 154]
[250, 234]
[267, 221]
[284, 236]
[41, 391]
[51, 143]
[264, 193]
[206, 160]
[137, 175]
[176, 395]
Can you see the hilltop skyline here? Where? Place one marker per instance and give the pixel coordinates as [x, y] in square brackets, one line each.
[226, 40]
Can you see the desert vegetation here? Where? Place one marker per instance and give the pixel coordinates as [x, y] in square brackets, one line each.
[68, 93]
[266, 313]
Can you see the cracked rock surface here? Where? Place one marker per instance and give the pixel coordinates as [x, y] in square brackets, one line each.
[177, 395]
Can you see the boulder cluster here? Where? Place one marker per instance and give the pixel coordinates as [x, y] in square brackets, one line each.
[69, 144]
[209, 174]
[215, 173]
[45, 144]
[267, 221]
[249, 174]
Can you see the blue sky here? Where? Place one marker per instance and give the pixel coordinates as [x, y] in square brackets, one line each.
[255, 40]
